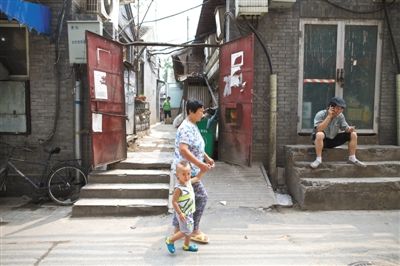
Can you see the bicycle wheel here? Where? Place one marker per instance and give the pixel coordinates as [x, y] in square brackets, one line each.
[65, 184]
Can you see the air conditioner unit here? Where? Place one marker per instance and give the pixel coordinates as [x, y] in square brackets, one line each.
[281, 4]
[251, 7]
[107, 7]
[102, 7]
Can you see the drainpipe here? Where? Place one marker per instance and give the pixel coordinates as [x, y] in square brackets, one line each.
[398, 107]
[272, 125]
[77, 111]
[227, 31]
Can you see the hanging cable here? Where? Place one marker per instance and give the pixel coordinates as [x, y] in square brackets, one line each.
[57, 37]
[262, 45]
[173, 15]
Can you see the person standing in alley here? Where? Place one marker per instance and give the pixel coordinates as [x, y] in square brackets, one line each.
[331, 130]
[189, 145]
[183, 201]
[167, 110]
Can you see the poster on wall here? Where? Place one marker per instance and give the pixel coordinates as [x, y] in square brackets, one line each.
[100, 86]
[97, 122]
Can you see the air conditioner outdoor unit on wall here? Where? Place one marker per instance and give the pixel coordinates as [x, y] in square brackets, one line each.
[102, 7]
[251, 7]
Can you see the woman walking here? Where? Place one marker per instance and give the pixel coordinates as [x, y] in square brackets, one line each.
[189, 145]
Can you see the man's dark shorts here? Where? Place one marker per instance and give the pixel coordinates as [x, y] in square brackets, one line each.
[167, 113]
[340, 139]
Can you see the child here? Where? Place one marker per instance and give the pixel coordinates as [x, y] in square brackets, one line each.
[184, 206]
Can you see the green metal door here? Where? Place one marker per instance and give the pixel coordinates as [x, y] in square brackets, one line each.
[339, 58]
[359, 74]
[320, 48]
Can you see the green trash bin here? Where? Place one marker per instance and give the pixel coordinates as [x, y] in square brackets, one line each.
[209, 135]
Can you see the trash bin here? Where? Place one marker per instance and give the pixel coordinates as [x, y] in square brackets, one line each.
[208, 134]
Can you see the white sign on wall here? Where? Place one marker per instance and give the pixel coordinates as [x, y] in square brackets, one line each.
[76, 39]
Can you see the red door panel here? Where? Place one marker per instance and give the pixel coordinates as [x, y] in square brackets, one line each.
[236, 100]
[107, 100]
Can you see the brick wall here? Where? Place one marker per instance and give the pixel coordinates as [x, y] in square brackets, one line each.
[43, 90]
[280, 33]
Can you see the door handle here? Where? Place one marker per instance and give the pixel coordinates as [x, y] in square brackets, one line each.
[340, 76]
[337, 74]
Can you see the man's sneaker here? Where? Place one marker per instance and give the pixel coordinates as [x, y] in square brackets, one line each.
[357, 162]
[170, 246]
[315, 164]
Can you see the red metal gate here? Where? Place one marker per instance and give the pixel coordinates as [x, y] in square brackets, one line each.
[107, 100]
[236, 100]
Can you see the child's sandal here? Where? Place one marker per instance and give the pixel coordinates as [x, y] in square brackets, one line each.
[191, 248]
[170, 246]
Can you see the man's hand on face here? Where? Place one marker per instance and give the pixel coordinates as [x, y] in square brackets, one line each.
[334, 111]
[331, 112]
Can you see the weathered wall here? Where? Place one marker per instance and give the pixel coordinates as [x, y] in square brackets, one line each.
[43, 80]
[279, 30]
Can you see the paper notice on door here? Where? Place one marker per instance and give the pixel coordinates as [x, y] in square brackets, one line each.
[97, 122]
[100, 86]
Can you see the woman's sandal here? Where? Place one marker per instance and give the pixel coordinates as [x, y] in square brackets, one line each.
[200, 238]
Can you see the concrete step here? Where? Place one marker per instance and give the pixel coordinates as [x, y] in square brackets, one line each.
[129, 176]
[336, 184]
[132, 191]
[364, 153]
[119, 207]
[333, 169]
[146, 160]
[368, 193]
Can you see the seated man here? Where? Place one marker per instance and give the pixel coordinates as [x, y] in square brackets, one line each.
[327, 126]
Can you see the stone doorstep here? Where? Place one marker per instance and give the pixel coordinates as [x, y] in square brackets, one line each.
[364, 153]
[350, 193]
[99, 190]
[121, 202]
[344, 169]
[130, 176]
[119, 207]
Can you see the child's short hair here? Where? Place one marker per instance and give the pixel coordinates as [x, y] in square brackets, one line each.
[183, 164]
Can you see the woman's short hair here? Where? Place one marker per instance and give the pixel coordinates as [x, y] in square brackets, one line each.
[193, 105]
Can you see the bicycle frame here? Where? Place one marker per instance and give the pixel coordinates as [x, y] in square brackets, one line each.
[30, 180]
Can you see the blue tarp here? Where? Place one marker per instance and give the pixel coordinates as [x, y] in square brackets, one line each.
[34, 16]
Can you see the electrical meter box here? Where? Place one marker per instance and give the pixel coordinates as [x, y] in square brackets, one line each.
[77, 41]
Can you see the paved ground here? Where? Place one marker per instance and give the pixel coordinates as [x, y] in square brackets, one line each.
[47, 235]
[243, 226]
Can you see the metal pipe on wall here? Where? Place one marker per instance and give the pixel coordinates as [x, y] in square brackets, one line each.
[398, 107]
[77, 112]
[272, 126]
[227, 31]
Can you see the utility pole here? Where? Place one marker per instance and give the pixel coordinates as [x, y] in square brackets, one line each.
[187, 28]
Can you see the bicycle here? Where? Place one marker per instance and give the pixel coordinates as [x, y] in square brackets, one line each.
[62, 180]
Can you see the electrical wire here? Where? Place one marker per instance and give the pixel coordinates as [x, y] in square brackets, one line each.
[133, 20]
[146, 13]
[155, 20]
[173, 15]
[262, 45]
[60, 24]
